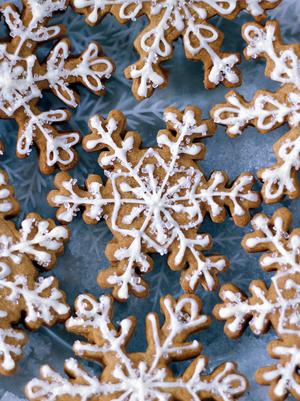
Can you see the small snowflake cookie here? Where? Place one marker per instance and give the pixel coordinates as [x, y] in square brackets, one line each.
[269, 110]
[22, 293]
[169, 20]
[154, 200]
[138, 376]
[23, 79]
[278, 304]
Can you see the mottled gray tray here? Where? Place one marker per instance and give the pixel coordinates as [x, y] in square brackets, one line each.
[84, 255]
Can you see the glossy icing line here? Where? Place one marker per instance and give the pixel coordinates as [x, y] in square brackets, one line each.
[154, 199]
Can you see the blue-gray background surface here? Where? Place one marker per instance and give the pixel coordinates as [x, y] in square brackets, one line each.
[84, 255]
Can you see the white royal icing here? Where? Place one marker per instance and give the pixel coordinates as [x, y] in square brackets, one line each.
[136, 380]
[5, 194]
[266, 112]
[280, 178]
[284, 256]
[285, 65]
[279, 304]
[155, 200]
[9, 349]
[285, 375]
[188, 19]
[19, 80]
[39, 247]
[37, 305]
[20, 292]
[269, 110]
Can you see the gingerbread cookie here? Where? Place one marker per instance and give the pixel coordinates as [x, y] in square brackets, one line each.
[23, 79]
[278, 305]
[269, 110]
[169, 20]
[138, 375]
[22, 293]
[154, 200]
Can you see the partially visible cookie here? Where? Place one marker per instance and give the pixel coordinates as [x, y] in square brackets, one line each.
[25, 297]
[138, 375]
[277, 304]
[23, 79]
[269, 110]
[168, 21]
[282, 178]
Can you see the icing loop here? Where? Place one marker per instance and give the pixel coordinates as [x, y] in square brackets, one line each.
[8, 204]
[281, 178]
[24, 296]
[261, 41]
[11, 343]
[138, 376]
[39, 308]
[23, 79]
[279, 304]
[269, 110]
[154, 200]
[35, 240]
[169, 20]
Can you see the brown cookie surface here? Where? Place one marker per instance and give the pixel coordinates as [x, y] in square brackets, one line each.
[277, 305]
[154, 200]
[25, 297]
[138, 375]
[168, 21]
[269, 110]
[24, 78]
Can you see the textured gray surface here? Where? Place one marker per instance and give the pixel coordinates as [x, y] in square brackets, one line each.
[84, 256]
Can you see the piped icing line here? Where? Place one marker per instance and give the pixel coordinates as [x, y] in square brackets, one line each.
[278, 304]
[38, 306]
[281, 60]
[139, 375]
[23, 80]
[11, 343]
[169, 20]
[282, 373]
[8, 203]
[269, 110]
[154, 200]
[282, 178]
[25, 297]
[50, 240]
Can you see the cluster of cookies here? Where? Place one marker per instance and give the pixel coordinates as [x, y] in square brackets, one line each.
[154, 200]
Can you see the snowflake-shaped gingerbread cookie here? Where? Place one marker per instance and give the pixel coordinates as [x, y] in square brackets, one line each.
[154, 200]
[278, 305]
[138, 376]
[169, 20]
[23, 79]
[268, 110]
[22, 293]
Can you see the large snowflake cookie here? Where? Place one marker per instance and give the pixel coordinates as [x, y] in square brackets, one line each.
[22, 294]
[154, 200]
[23, 79]
[269, 110]
[278, 304]
[169, 20]
[138, 376]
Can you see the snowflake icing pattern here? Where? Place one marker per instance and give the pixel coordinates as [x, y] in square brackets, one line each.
[138, 376]
[23, 78]
[168, 20]
[154, 200]
[279, 304]
[21, 292]
[269, 110]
